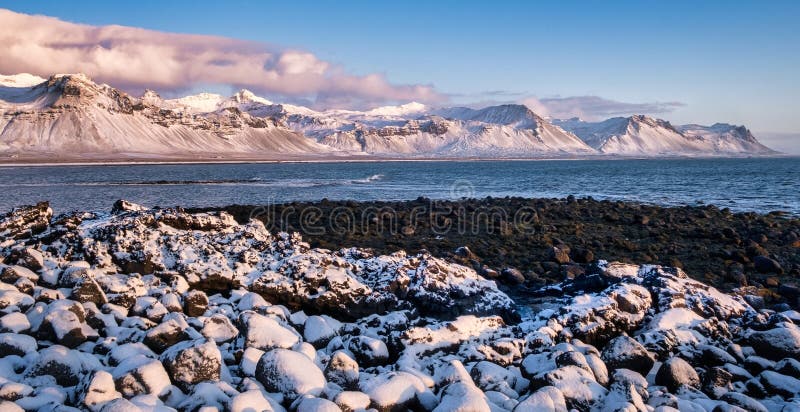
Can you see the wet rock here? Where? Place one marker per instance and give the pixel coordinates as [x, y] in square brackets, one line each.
[676, 372]
[765, 264]
[743, 401]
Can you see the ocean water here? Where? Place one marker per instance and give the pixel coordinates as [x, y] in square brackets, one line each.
[757, 184]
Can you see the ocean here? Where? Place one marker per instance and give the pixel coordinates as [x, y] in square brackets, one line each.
[751, 184]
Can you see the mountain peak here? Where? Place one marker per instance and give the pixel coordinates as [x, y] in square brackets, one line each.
[246, 96]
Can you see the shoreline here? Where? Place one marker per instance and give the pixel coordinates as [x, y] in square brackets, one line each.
[717, 246]
[45, 162]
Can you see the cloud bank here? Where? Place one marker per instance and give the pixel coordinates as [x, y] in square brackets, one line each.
[594, 108]
[134, 58]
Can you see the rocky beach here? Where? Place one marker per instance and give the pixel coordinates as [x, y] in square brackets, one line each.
[168, 309]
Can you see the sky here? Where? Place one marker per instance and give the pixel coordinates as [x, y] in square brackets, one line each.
[687, 62]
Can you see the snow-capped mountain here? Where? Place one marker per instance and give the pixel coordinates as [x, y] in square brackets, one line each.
[71, 117]
[68, 116]
[642, 135]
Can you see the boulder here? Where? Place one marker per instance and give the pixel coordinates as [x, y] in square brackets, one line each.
[63, 364]
[97, 389]
[342, 370]
[393, 391]
[219, 329]
[265, 333]
[195, 303]
[782, 385]
[368, 351]
[312, 404]
[789, 367]
[675, 373]
[545, 399]
[462, 396]
[625, 352]
[289, 373]
[14, 322]
[352, 400]
[318, 331]
[777, 343]
[165, 335]
[16, 344]
[138, 375]
[189, 363]
[764, 264]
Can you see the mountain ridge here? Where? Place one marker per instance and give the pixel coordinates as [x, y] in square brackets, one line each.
[70, 116]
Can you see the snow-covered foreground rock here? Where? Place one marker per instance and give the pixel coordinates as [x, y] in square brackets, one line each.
[157, 309]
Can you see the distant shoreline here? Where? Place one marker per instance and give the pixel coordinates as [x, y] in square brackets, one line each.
[35, 162]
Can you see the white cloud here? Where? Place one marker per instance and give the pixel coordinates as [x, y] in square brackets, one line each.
[594, 107]
[135, 58]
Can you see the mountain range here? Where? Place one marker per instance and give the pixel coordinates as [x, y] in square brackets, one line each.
[70, 117]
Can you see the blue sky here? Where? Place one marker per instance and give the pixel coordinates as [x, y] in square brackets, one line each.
[727, 61]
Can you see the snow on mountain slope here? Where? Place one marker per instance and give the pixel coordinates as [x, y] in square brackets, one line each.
[726, 138]
[641, 135]
[497, 131]
[69, 116]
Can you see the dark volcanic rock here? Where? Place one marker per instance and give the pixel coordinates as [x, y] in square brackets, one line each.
[625, 352]
[675, 373]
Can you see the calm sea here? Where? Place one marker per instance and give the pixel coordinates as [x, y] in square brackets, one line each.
[761, 185]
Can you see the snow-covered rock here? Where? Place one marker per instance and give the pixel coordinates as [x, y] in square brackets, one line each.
[421, 335]
[290, 373]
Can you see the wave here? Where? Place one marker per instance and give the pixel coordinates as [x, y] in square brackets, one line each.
[370, 179]
[256, 181]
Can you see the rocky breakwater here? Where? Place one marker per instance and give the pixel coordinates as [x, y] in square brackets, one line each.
[159, 309]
